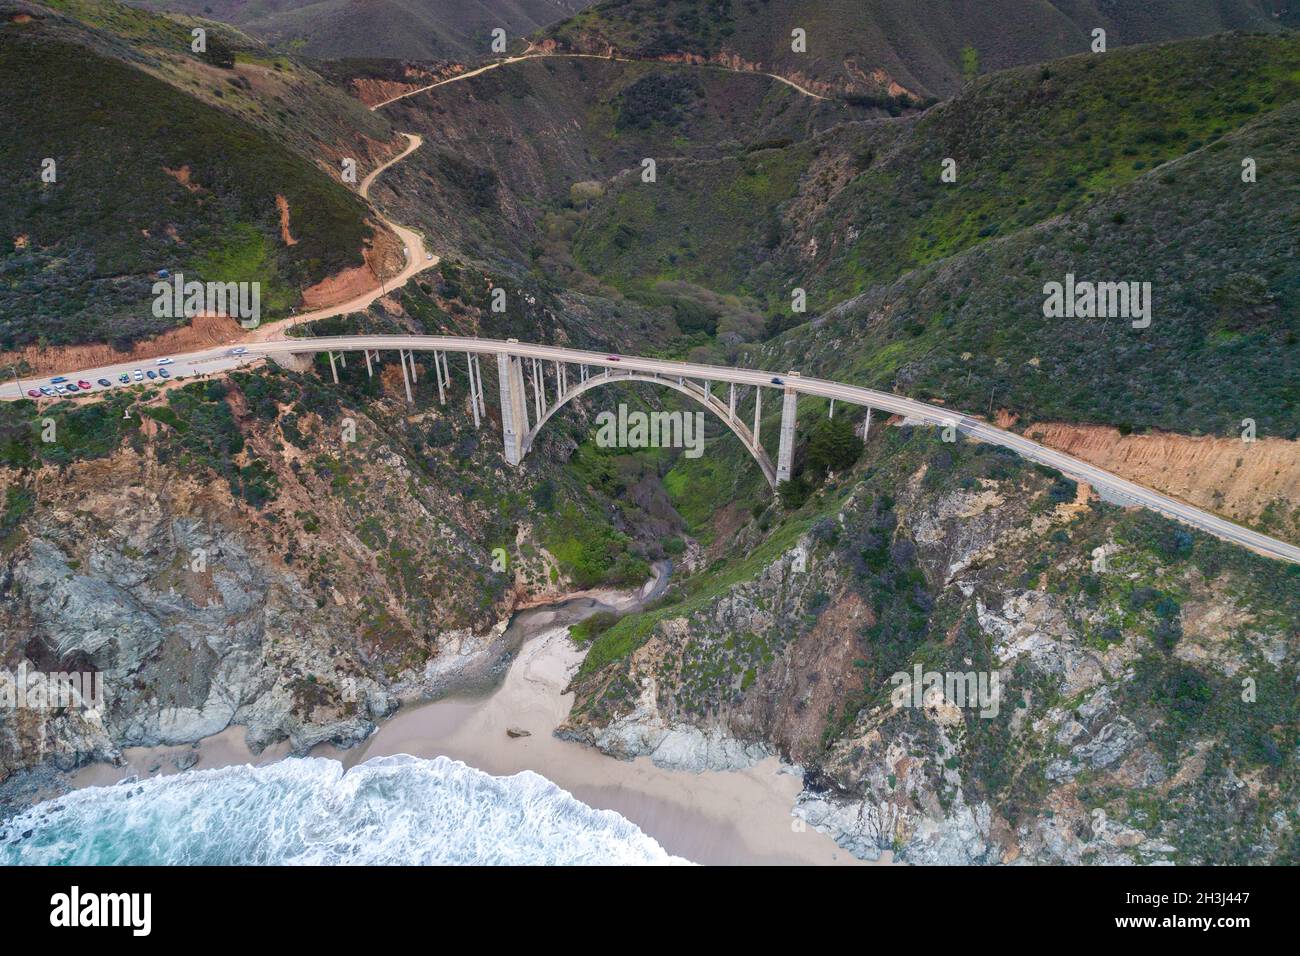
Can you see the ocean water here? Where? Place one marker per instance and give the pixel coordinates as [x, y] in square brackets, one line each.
[389, 810]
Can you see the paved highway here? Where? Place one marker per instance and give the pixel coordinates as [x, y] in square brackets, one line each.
[217, 359]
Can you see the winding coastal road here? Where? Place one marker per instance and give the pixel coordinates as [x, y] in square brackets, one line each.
[417, 260]
[1104, 482]
[588, 56]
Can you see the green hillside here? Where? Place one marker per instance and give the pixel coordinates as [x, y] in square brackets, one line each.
[1132, 149]
[91, 242]
[427, 29]
[930, 47]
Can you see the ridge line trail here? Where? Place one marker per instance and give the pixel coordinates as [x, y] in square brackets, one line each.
[591, 56]
[416, 261]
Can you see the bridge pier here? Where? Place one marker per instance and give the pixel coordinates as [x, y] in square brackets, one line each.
[473, 390]
[437, 371]
[370, 373]
[478, 377]
[333, 371]
[406, 378]
[294, 361]
[514, 406]
[785, 452]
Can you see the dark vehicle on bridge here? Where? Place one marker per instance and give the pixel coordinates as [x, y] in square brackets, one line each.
[777, 381]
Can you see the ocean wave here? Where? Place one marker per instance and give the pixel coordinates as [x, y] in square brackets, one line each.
[389, 810]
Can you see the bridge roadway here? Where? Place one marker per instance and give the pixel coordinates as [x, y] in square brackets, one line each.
[1107, 484]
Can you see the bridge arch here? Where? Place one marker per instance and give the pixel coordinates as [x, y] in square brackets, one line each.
[688, 388]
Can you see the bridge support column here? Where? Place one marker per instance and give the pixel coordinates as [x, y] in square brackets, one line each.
[731, 403]
[785, 454]
[473, 389]
[866, 425]
[437, 370]
[758, 411]
[294, 361]
[514, 407]
[406, 378]
[370, 373]
[478, 377]
[333, 371]
[410, 355]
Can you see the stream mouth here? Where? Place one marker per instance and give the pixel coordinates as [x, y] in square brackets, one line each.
[526, 624]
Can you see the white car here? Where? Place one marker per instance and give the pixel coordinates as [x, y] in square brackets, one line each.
[138, 375]
[237, 351]
[164, 361]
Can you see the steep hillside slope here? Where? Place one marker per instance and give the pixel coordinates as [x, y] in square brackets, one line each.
[1126, 167]
[1119, 730]
[511, 147]
[277, 93]
[146, 177]
[401, 29]
[927, 47]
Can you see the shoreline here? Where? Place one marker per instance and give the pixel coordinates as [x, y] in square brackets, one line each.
[713, 817]
[504, 725]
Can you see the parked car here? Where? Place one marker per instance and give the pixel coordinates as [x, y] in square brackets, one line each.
[124, 378]
[162, 372]
[164, 361]
[138, 375]
[63, 389]
[83, 385]
[151, 373]
[46, 390]
[57, 381]
[34, 393]
[105, 383]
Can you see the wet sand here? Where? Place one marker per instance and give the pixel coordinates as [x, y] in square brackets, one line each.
[731, 817]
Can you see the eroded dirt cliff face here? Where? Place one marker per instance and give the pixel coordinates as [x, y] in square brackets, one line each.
[1256, 482]
[254, 552]
[1111, 688]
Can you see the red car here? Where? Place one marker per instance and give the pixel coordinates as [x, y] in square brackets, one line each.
[34, 393]
[83, 384]
[612, 358]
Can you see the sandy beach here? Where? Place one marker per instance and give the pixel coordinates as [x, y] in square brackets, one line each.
[731, 817]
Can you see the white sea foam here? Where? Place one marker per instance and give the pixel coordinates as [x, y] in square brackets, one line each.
[389, 810]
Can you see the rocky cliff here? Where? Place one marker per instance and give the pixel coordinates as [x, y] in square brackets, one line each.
[1111, 687]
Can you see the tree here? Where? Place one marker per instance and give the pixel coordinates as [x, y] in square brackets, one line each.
[793, 493]
[833, 446]
[970, 64]
[219, 53]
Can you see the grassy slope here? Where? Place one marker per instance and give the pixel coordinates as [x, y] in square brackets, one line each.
[424, 29]
[1060, 169]
[917, 44]
[85, 273]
